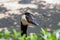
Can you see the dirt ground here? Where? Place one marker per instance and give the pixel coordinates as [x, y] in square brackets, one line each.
[47, 15]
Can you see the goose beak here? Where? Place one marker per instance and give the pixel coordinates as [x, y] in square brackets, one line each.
[35, 23]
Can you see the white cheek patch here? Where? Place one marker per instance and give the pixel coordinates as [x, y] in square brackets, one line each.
[24, 21]
[24, 17]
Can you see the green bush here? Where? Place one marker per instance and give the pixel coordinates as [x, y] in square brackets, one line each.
[44, 35]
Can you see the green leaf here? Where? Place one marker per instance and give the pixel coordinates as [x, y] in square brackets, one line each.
[33, 36]
[28, 38]
[6, 33]
[15, 34]
[1, 34]
[22, 37]
[43, 31]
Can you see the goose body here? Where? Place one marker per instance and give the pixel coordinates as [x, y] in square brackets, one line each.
[27, 19]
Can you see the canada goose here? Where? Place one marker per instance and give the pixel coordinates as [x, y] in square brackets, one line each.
[27, 19]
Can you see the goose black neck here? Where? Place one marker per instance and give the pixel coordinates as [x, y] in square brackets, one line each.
[23, 29]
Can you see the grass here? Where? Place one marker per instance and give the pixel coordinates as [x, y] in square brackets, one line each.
[44, 35]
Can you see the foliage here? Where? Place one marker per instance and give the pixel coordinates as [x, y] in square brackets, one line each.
[44, 35]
